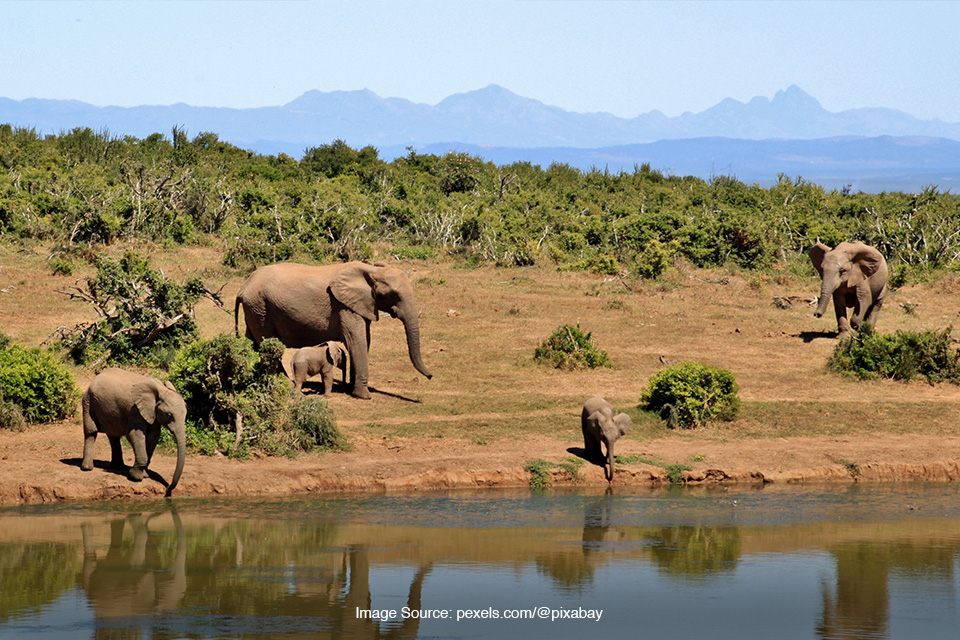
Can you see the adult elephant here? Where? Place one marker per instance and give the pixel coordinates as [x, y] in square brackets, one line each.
[855, 276]
[305, 305]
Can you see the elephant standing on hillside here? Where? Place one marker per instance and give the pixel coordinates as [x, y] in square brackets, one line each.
[122, 403]
[322, 359]
[600, 425]
[854, 275]
[305, 305]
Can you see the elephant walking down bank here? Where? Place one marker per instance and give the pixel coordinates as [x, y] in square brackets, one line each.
[305, 305]
[855, 276]
[123, 403]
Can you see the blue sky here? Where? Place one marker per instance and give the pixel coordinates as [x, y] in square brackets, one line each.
[625, 58]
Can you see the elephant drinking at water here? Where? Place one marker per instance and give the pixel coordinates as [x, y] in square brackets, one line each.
[123, 403]
[600, 425]
[305, 305]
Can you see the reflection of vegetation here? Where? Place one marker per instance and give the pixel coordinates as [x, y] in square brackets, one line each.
[34, 574]
[571, 570]
[696, 550]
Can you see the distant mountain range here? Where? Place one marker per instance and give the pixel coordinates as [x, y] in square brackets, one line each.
[870, 149]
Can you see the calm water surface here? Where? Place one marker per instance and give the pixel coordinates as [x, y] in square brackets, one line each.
[858, 562]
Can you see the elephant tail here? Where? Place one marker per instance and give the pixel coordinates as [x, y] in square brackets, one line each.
[236, 315]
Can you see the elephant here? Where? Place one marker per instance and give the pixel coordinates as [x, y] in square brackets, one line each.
[136, 578]
[854, 275]
[321, 359]
[305, 305]
[123, 403]
[600, 425]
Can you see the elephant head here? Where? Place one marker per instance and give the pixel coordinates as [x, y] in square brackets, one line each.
[856, 272]
[611, 429]
[159, 404]
[369, 289]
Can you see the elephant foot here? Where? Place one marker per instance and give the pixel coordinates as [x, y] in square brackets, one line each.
[361, 392]
[86, 465]
[137, 474]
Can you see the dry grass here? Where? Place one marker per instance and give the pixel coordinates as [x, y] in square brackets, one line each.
[480, 327]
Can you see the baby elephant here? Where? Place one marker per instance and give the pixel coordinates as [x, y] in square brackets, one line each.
[122, 403]
[321, 359]
[600, 425]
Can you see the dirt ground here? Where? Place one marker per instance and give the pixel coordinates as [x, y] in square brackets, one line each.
[489, 410]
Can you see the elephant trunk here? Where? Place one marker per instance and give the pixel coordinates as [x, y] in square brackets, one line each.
[180, 436]
[608, 469]
[826, 295]
[408, 315]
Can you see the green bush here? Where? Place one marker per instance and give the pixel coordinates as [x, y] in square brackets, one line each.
[312, 425]
[141, 314]
[654, 260]
[690, 394]
[35, 383]
[599, 264]
[570, 348]
[904, 355]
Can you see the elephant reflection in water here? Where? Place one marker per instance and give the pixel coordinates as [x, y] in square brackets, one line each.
[574, 569]
[349, 590]
[131, 580]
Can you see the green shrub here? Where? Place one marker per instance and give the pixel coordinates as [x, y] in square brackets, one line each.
[11, 416]
[654, 260]
[311, 425]
[904, 355]
[140, 313]
[33, 381]
[600, 264]
[690, 394]
[570, 348]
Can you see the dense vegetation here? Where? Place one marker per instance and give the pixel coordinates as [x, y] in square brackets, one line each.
[691, 394]
[83, 188]
[904, 355]
[34, 387]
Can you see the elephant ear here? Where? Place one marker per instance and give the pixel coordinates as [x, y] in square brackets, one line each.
[816, 253]
[623, 423]
[353, 288]
[333, 355]
[866, 262]
[145, 400]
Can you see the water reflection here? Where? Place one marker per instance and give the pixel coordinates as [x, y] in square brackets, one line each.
[688, 563]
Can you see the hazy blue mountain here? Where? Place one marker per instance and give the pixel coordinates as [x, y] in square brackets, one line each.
[492, 116]
[498, 123]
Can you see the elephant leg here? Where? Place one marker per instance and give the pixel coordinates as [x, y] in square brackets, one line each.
[139, 442]
[152, 438]
[591, 444]
[116, 452]
[355, 331]
[873, 313]
[840, 307]
[89, 438]
[327, 381]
